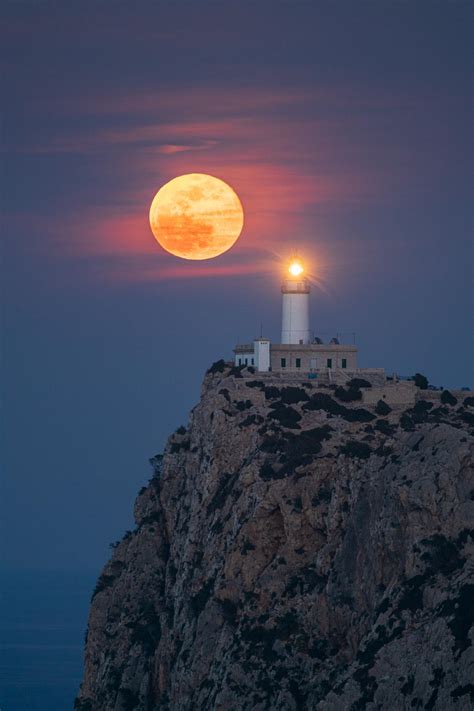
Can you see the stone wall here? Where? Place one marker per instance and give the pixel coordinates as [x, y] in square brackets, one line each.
[313, 356]
[400, 393]
[325, 377]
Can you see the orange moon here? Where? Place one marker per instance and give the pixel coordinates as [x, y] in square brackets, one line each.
[196, 216]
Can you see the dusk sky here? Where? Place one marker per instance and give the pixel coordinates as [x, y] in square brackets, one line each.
[344, 128]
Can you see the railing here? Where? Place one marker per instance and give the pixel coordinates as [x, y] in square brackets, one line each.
[244, 348]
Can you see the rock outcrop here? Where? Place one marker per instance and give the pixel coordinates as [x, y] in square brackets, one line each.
[294, 549]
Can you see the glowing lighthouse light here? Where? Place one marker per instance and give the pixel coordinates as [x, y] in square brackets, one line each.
[295, 268]
[295, 307]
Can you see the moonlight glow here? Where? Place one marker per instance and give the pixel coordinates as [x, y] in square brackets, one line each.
[196, 216]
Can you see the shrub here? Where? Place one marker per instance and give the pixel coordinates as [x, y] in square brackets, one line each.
[105, 581]
[146, 631]
[305, 581]
[359, 383]
[360, 450]
[225, 393]
[382, 408]
[441, 555]
[256, 384]
[421, 381]
[468, 401]
[178, 446]
[448, 398]
[358, 415]
[349, 395]
[267, 472]
[317, 434]
[128, 699]
[83, 705]
[437, 414]
[323, 496]
[422, 406]
[406, 422]
[229, 610]
[247, 546]
[218, 367]
[322, 401]
[384, 427]
[251, 420]
[299, 449]
[271, 392]
[420, 411]
[383, 450]
[242, 405]
[272, 444]
[223, 492]
[291, 395]
[287, 416]
[468, 418]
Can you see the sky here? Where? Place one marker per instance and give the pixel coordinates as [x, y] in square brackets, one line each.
[345, 130]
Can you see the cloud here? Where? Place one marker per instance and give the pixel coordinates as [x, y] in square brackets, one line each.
[290, 158]
[192, 270]
[171, 148]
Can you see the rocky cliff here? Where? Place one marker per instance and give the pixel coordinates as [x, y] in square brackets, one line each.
[294, 550]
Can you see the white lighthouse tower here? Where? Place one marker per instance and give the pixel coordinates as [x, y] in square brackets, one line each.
[295, 306]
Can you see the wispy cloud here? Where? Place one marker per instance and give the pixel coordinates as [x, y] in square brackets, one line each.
[188, 271]
[285, 156]
[171, 148]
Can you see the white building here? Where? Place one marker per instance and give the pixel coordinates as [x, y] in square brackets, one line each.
[298, 351]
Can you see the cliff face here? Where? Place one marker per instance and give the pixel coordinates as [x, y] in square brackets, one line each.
[293, 551]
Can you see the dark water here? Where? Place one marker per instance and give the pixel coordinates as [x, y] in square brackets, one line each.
[42, 626]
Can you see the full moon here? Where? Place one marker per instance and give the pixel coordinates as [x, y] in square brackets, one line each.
[196, 216]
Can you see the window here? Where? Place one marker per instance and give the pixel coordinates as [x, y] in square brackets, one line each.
[246, 361]
[240, 361]
[253, 362]
[283, 362]
[312, 363]
[329, 362]
[344, 362]
[298, 362]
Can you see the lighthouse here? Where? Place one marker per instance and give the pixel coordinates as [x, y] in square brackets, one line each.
[299, 354]
[295, 306]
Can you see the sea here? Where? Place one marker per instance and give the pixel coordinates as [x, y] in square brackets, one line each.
[42, 629]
